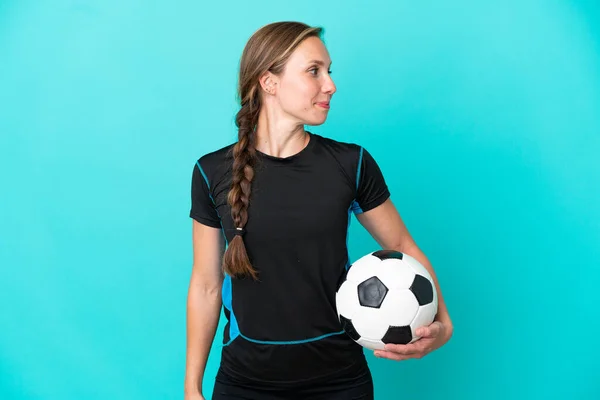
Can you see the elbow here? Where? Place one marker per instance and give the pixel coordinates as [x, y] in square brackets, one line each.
[448, 326]
[407, 247]
[205, 286]
[449, 331]
[203, 294]
[208, 289]
[212, 291]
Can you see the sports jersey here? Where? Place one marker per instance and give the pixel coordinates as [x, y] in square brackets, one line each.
[283, 329]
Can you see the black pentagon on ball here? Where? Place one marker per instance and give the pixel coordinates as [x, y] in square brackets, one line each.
[397, 335]
[371, 292]
[387, 254]
[422, 289]
[349, 328]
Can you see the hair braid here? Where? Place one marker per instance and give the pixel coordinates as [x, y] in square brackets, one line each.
[236, 261]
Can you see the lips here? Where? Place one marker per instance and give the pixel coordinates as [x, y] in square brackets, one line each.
[323, 104]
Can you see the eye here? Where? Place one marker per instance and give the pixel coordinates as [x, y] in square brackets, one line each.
[314, 71]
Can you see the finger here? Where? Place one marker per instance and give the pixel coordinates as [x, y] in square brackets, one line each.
[390, 355]
[403, 349]
[430, 331]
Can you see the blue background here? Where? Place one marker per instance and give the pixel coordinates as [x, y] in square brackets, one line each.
[484, 117]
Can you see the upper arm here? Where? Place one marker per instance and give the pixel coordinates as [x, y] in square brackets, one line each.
[208, 249]
[387, 228]
[207, 235]
[374, 208]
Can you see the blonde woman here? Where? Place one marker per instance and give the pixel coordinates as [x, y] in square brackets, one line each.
[270, 223]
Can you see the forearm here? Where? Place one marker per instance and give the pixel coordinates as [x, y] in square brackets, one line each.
[203, 311]
[442, 314]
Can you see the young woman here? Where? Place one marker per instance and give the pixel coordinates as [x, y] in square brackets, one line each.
[270, 220]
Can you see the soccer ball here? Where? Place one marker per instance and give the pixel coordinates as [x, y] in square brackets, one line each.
[384, 297]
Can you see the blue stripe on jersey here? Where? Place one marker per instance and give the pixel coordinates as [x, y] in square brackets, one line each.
[207, 184]
[211, 199]
[292, 341]
[234, 330]
[360, 157]
[355, 207]
[348, 235]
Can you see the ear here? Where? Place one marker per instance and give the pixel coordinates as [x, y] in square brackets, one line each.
[268, 82]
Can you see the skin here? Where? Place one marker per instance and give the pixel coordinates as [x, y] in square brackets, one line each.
[291, 99]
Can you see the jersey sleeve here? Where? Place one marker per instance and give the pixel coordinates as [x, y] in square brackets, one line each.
[202, 206]
[372, 189]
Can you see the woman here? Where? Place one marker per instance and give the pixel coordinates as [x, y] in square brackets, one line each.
[281, 198]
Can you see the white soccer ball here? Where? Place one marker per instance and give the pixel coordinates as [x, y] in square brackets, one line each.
[385, 297]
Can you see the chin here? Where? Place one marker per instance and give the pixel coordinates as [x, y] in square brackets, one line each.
[315, 121]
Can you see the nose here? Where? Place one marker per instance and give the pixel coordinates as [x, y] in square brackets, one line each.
[328, 86]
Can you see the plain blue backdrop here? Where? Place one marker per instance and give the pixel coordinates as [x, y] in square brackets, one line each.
[483, 115]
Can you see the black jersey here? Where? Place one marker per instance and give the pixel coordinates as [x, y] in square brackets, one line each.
[283, 329]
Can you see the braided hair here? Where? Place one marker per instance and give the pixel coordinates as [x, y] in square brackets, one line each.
[268, 49]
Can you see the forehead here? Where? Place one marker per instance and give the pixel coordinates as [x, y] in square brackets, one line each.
[310, 49]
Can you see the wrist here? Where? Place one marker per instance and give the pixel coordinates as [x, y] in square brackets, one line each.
[192, 388]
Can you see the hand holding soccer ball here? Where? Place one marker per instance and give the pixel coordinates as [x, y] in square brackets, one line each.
[432, 337]
[387, 302]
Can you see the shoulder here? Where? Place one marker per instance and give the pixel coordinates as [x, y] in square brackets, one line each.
[347, 154]
[356, 153]
[338, 146]
[216, 158]
[215, 162]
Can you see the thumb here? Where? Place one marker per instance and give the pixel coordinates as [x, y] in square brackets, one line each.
[430, 331]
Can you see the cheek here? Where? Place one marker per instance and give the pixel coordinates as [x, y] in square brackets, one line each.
[299, 96]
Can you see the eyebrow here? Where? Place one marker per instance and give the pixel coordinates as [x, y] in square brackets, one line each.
[319, 62]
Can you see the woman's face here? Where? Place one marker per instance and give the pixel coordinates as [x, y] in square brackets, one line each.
[304, 89]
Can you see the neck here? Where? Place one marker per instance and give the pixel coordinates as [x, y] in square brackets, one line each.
[278, 136]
